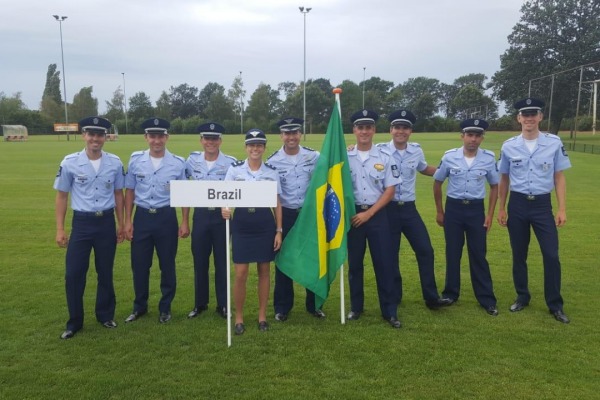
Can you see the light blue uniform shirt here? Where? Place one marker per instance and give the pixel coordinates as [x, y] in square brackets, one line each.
[371, 177]
[464, 182]
[197, 168]
[410, 163]
[90, 190]
[240, 171]
[153, 188]
[294, 176]
[533, 172]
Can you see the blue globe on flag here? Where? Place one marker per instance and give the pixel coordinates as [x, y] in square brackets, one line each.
[332, 213]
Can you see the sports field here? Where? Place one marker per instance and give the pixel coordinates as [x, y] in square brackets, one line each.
[454, 353]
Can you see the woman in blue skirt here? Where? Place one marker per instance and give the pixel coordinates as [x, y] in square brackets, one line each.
[255, 232]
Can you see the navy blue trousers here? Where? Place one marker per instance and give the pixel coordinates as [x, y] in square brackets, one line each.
[460, 221]
[524, 214]
[154, 230]
[90, 232]
[208, 237]
[376, 232]
[405, 219]
[283, 295]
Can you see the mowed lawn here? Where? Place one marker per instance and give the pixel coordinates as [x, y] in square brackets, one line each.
[455, 353]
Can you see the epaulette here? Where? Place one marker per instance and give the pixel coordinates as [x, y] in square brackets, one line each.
[111, 155]
[414, 144]
[272, 154]
[230, 157]
[489, 153]
[137, 153]
[269, 165]
[72, 155]
[511, 139]
[196, 153]
[307, 148]
[450, 151]
[551, 135]
[237, 163]
[179, 158]
[381, 144]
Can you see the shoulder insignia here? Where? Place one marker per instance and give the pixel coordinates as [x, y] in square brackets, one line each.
[381, 144]
[137, 153]
[237, 163]
[489, 153]
[450, 151]
[195, 153]
[232, 158]
[308, 148]
[179, 158]
[269, 165]
[272, 154]
[69, 156]
[511, 139]
[414, 144]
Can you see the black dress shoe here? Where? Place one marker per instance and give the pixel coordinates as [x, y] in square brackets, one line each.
[197, 311]
[394, 322]
[281, 317]
[560, 316]
[353, 315]
[263, 326]
[135, 315]
[438, 303]
[164, 317]
[222, 311]
[68, 334]
[517, 306]
[447, 301]
[239, 329]
[491, 310]
[318, 314]
[110, 324]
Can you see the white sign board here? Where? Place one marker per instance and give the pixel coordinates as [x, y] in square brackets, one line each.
[223, 194]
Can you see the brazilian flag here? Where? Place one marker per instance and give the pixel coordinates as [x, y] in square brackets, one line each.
[315, 247]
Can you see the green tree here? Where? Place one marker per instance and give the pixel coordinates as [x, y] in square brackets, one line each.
[236, 96]
[205, 96]
[184, 101]
[219, 107]
[84, 104]
[551, 36]
[115, 108]
[163, 107]
[140, 109]
[263, 107]
[52, 88]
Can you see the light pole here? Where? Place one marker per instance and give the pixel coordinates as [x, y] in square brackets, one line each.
[241, 106]
[364, 76]
[125, 102]
[60, 20]
[304, 11]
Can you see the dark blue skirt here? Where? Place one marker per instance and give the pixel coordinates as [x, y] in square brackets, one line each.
[252, 235]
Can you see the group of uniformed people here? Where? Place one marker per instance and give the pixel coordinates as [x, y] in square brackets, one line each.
[383, 179]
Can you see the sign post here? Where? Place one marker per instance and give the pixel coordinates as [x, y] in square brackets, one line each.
[224, 194]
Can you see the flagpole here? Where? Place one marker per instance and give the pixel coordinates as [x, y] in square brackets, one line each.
[228, 274]
[337, 92]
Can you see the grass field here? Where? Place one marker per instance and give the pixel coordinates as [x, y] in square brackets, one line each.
[455, 353]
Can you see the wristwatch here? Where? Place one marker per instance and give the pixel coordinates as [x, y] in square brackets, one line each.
[279, 230]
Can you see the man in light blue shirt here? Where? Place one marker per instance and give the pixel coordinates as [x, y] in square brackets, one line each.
[467, 169]
[155, 224]
[295, 165]
[208, 231]
[402, 213]
[531, 166]
[95, 180]
[374, 180]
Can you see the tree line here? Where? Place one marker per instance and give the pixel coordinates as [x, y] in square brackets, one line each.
[551, 36]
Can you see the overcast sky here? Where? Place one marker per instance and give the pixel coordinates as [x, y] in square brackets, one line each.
[158, 44]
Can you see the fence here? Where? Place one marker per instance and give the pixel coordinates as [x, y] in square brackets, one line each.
[583, 147]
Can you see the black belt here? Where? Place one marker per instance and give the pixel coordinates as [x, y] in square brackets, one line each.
[292, 210]
[465, 202]
[363, 206]
[402, 203]
[154, 210]
[207, 208]
[103, 213]
[532, 197]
